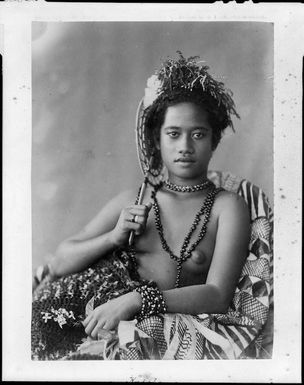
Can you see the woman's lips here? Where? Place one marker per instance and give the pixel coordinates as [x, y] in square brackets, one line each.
[184, 160]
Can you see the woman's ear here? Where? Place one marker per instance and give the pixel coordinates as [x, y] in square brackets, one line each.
[156, 138]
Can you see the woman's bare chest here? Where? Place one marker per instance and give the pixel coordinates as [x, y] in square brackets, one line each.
[173, 230]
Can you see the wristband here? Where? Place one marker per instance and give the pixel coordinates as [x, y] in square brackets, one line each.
[152, 301]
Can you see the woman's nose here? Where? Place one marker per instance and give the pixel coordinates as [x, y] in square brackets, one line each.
[185, 145]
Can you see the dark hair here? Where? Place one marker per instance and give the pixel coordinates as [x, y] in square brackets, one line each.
[183, 80]
[217, 115]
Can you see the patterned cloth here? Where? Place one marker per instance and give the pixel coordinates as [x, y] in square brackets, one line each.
[60, 306]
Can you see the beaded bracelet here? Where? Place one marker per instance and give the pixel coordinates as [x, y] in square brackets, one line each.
[152, 301]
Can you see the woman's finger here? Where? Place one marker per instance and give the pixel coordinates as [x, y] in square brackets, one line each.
[90, 327]
[97, 328]
[87, 320]
[104, 334]
[149, 206]
[138, 210]
[137, 219]
[134, 226]
[109, 325]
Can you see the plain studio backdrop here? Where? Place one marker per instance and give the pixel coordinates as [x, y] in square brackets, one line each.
[87, 81]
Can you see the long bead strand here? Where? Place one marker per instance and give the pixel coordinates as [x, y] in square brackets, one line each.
[186, 251]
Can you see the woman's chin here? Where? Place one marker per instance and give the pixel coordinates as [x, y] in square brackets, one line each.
[188, 178]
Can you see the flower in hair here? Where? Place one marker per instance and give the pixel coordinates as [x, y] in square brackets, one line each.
[187, 75]
[152, 91]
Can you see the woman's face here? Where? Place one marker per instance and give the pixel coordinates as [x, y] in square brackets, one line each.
[186, 143]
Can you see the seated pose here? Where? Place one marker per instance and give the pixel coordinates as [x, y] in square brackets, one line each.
[175, 249]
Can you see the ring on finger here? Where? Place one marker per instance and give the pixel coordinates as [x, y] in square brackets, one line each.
[135, 219]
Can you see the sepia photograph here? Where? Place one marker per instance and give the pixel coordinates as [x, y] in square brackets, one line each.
[152, 193]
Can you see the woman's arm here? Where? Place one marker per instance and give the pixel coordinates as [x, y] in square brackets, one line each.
[212, 297]
[230, 253]
[107, 231]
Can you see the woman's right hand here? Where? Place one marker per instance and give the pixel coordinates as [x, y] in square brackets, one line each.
[131, 218]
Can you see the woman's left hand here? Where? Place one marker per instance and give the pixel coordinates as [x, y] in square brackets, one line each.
[108, 315]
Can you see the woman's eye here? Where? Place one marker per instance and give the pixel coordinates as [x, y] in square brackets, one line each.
[173, 134]
[198, 135]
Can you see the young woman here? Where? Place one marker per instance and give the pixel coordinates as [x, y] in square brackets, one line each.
[191, 238]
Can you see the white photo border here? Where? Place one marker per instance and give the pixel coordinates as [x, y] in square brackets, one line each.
[285, 365]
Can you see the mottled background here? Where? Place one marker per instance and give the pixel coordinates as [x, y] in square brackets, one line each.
[87, 80]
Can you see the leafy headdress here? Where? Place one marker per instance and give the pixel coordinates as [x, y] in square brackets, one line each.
[177, 80]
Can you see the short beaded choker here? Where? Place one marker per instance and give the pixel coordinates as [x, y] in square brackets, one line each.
[187, 189]
[186, 250]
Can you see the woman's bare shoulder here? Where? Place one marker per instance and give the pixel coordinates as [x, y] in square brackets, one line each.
[108, 215]
[229, 201]
[233, 216]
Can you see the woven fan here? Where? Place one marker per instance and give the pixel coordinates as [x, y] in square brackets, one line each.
[152, 175]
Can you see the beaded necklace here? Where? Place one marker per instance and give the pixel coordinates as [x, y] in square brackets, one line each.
[184, 253]
[188, 189]
[186, 250]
